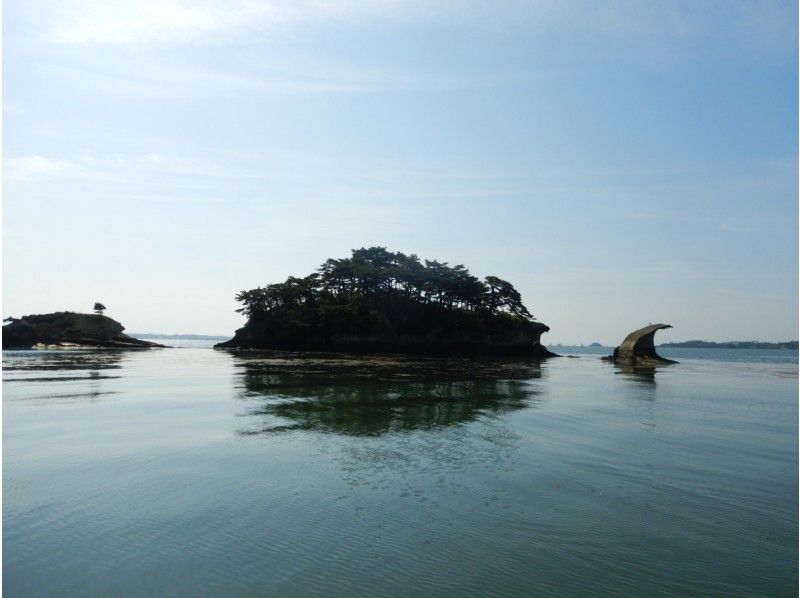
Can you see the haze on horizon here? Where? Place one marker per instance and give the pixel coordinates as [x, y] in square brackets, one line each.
[620, 162]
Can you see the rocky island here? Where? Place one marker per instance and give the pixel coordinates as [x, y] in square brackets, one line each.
[66, 329]
[377, 301]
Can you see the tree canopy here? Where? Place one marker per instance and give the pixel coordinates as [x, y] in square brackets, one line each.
[374, 271]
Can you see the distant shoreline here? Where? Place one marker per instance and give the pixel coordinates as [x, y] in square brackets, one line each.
[787, 345]
[182, 337]
[732, 345]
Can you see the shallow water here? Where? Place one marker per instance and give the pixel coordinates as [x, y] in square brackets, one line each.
[196, 472]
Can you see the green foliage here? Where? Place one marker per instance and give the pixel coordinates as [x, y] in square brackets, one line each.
[340, 285]
[99, 308]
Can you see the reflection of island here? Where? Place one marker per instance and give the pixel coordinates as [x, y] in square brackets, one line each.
[646, 375]
[43, 374]
[56, 361]
[359, 397]
[376, 301]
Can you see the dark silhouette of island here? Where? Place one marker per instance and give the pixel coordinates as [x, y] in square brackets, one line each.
[377, 301]
[732, 345]
[68, 329]
[638, 349]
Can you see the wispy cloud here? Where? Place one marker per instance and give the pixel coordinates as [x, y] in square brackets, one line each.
[751, 225]
[146, 21]
[134, 21]
[249, 178]
[750, 294]
[151, 177]
[158, 78]
[285, 66]
[32, 167]
[183, 21]
[136, 33]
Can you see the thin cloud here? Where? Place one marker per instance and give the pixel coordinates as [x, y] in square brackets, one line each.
[170, 21]
[32, 167]
[764, 23]
[757, 225]
[118, 173]
[137, 21]
[152, 77]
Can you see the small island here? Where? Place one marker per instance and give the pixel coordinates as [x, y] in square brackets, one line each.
[377, 301]
[66, 329]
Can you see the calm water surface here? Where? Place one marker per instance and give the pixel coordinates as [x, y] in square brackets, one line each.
[195, 472]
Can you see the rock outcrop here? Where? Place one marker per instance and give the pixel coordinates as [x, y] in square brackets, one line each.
[638, 348]
[68, 329]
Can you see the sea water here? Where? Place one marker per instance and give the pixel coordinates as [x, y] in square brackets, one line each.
[191, 472]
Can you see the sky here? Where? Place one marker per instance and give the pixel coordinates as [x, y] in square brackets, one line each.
[620, 162]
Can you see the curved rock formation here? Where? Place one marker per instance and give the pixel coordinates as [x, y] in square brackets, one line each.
[638, 348]
[68, 329]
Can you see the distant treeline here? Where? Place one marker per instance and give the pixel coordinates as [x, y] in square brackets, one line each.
[732, 345]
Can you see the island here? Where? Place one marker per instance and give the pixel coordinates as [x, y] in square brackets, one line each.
[377, 301]
[66, 329]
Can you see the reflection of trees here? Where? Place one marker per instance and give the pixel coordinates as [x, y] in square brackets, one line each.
[44, 361]
[60, 374]
[374, 397]
[60, 365]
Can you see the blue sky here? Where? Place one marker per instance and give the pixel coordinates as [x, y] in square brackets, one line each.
[620, 162]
